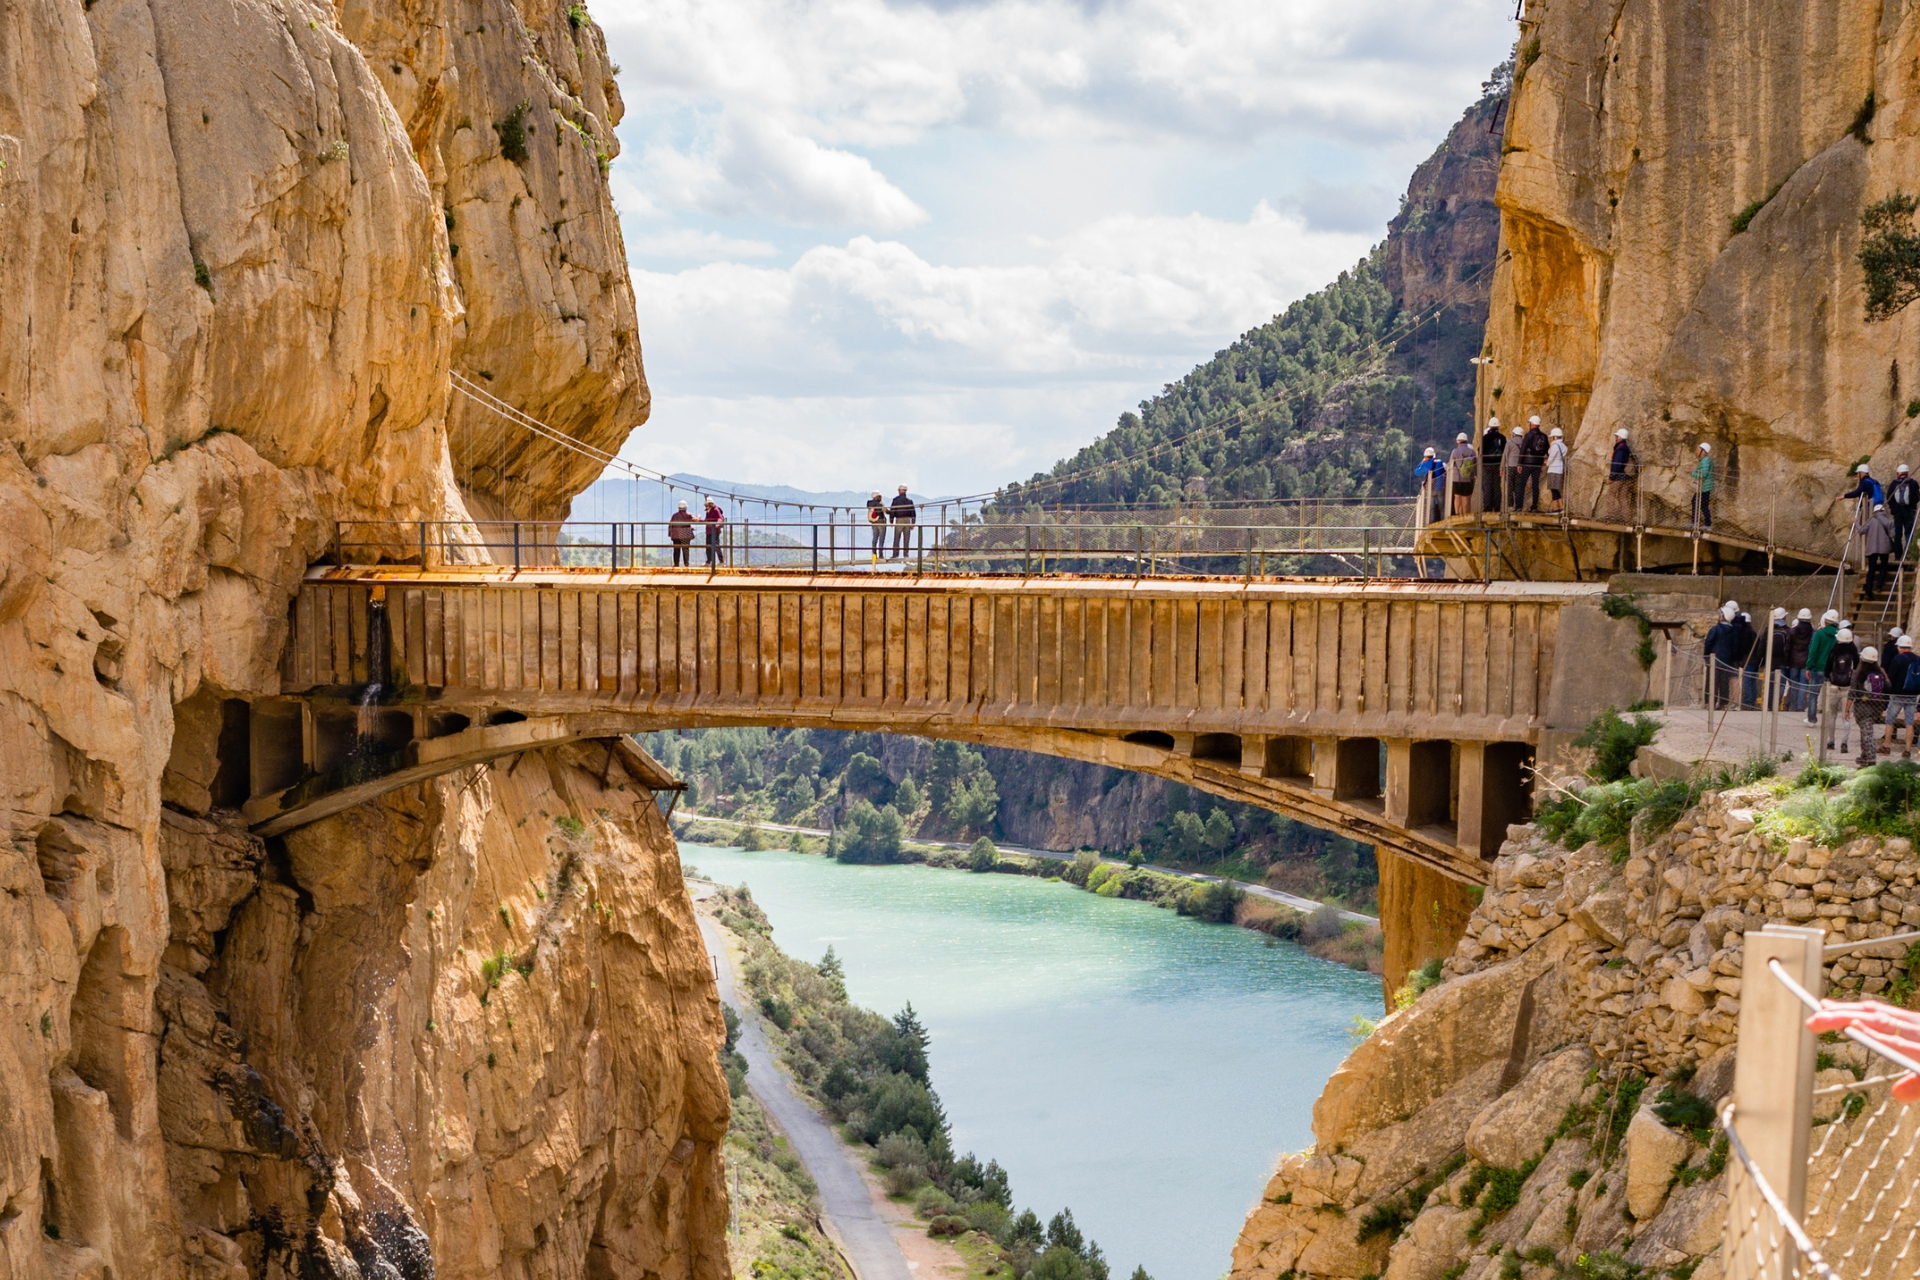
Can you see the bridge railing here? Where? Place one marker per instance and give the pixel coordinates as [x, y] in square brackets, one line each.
[1105, 544]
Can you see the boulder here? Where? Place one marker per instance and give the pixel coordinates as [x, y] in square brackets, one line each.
[1683, 997]
[1513, 1129]
[1652, 1152]
[1604, 915]
[1432, 1245]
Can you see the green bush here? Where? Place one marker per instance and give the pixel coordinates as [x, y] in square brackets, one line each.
[1614, 742]
[1213, 902]
[898, 1102]
[1889, 255]
[982, 856]
[513, 135]
[947, 1224]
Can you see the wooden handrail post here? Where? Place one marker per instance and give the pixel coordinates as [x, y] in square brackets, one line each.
[1772, 1094]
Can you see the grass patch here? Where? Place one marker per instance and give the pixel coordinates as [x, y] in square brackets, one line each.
[1614, 741]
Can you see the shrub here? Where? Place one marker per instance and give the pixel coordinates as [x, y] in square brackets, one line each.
[1419, 982]
[904, 1147]
[987, 1216]
[1614, 742]
[576, 16]
[982, 856]
[752, 840]
[896, 1102]
[932, 1202]
[1679, 1109]
[778, 1012]
[513, 134]
[947, 1224]
[904, 1180]
[1213, 902]
[1325, 923]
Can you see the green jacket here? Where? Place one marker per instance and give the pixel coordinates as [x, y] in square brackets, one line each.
[1820, 648]
[1703, 472]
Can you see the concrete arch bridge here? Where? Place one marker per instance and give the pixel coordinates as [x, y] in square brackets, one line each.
[1401, 713]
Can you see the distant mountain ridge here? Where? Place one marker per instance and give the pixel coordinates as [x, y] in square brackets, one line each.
[651, 501]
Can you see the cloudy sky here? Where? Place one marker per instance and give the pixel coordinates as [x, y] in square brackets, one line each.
[944, 243]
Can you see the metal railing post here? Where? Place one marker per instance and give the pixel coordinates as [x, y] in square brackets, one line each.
[1772, 1093]
[816, 548]
[336, 543]
[1029, 562]
[919, 547]
[423, 546]
[516, 544]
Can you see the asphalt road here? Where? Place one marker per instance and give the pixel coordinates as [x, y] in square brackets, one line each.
[844, 1200]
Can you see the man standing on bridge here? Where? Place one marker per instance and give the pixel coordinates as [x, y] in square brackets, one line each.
[1461, 462]
[1493, 452]
[902, 511]
[680, 534]
[1430, 478]
[1533, 457]
[714, 518]
[1703, 488]
[1903, 500]
[1620, 479]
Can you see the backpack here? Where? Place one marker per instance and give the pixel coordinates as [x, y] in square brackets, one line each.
[1873, 682]
[1840, 667]
[1910, 678]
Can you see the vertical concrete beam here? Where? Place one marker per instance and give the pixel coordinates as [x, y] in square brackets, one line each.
[1253, 755]
[1471, 824]
[1495, 790]
[1326, 765]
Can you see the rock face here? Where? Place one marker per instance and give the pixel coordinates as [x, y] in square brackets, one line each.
[1516, 1107]
[232, 311]
[1681, 197]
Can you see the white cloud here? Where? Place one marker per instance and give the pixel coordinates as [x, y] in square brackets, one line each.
[766, 370]
[697, 246]
[867, 72]
[758, 168]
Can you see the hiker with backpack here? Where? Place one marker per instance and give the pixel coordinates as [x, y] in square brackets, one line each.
[1843, 664]
[1819, 650]
[1461, 462]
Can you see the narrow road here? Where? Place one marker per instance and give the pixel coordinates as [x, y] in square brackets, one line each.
[1306, 905]
[844, 1200]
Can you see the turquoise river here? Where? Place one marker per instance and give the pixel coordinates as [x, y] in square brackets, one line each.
[1142, 1068]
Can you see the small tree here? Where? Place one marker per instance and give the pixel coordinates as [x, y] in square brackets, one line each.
[1890, 255]
[870, 835]
[983, 856]
[752, 840]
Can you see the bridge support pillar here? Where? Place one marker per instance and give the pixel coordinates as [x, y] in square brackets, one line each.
[1495, 790]
[1423, 915]
[1418, 774]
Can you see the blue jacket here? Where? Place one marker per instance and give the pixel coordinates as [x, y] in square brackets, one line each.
[1430, 467]
[1868, 488]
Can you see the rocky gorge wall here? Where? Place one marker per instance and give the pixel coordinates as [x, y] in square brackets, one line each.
[1507, 1121]
[1681, 196]
[228, 236]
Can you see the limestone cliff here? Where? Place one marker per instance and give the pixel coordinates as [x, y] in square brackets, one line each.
[1508, 1121]
[232, 308]
[1681, 196]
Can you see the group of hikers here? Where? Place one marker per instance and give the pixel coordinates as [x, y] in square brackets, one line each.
[1508, 470]
[1823, 671]
[900, 515]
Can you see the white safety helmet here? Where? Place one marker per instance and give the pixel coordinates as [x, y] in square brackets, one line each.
[1904, 642]
[1879, 506]
[1705, 447]
[1556, 433]
[1461, 438]
[1831, 615]
[1869, 654]
[1901, 469]
[1862, 469]
[1844, 636]
[1730, 608]
[1779, 614]
[1428, 453]
[1805, 615]
[1621, 434]
[1493, 422]
[1534, 421]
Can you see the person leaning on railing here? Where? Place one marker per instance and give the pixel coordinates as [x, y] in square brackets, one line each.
[1429, 478]
[1897, 1029]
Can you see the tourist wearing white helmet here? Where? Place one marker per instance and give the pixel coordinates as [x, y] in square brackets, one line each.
[1876, 538]
[1532, 459]
[1869, 702]
[1430, 477]
[1903, 686]
[1703, 487]
[1843, 661]
[1493, 449]
[1819, 651]
[1461, 463]
[1556, 467]
[1799, 641]
[1620, 473]
[1866, 489]
[1903, 501]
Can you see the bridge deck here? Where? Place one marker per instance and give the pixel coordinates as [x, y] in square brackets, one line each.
[1286, 692]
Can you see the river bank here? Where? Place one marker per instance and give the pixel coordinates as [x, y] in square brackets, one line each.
[1137, 1065]
[1322, 929]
